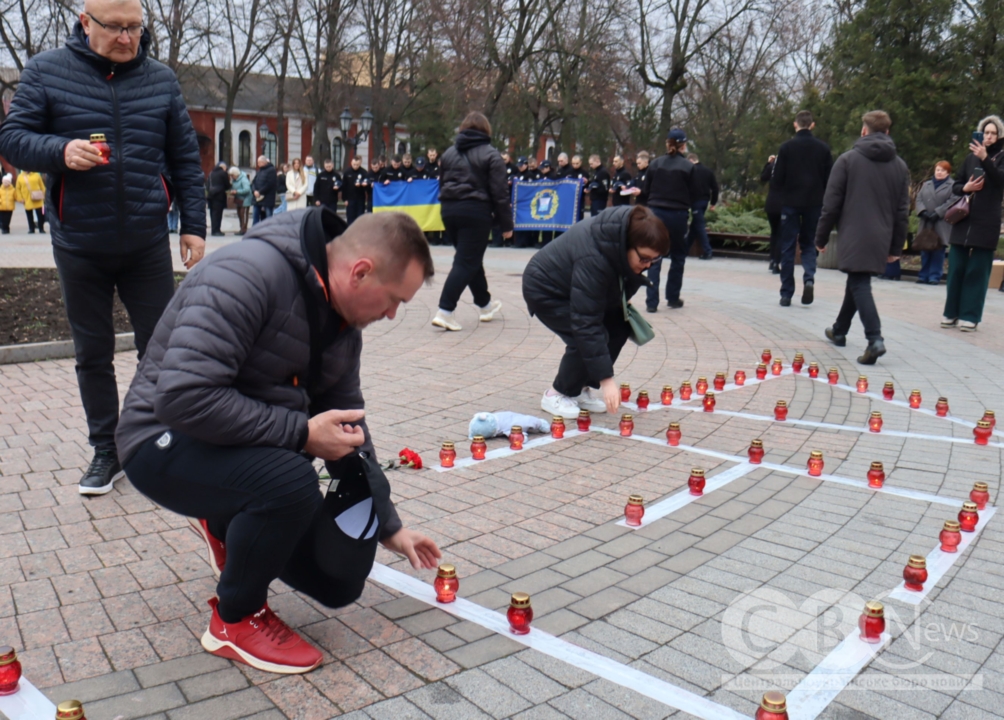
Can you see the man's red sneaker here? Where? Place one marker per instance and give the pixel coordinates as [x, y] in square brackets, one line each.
[262, 641]
[217, 549]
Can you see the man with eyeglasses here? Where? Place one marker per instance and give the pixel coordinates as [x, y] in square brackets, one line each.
[108, 214]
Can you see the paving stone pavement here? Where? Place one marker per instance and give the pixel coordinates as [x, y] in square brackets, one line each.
[105, 598]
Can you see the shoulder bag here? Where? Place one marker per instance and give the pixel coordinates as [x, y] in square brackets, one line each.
[959, 211]
[641, 330]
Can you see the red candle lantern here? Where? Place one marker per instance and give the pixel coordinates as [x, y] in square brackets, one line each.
[702, 385]
[446, 584]
[625, 392]
[557, 427]
[781, 411]
[685, 390]
[982, 432]
[627, 425]
[813, 369]
[70, 710]
[775, 368]
[756, 452]
[10, 670]
[642, 400]
[816, 463]
[719, 381]
[696, 481]
[740, 378]
[673, 435]
[833, 376]
[875, 422]
[478, 448]
[667, 395]
[941, 407]
[447, 455]
[915, 399]
[968, 517]
[584, 421]
[862, 385]
[765, 356]
[516, 438]
[761, 371]
[798, 362]
[888, 390]
[100, 143]
[950, 537]
[772, 707]
[990, 417]
[980, 494]
[872, 622]
[709, 402]
[876, 475]
[520, 614]
[634, 511]
[915, 573]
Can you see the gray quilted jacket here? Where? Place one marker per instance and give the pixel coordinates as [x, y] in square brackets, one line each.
[227, 360]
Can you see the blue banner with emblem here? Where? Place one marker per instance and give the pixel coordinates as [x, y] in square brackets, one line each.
[546, 205]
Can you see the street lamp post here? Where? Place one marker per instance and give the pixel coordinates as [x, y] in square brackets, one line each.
[263, 134]
[362, 131]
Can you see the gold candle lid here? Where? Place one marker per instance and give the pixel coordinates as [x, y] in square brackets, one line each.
[776, 361]
[702, 379]
[877, 466]
[720, 375]
[766, 351]
[626, 416]
[674, 426]
[643, 393]
[782, 403]
[834, 370]
[97, 137]
[479, 438]
[448, 445]
[915, 392]
[516, 429]
[951, 525]
[558, 419]
[69, 710]
[877, 414]
[888, 383]
[873, 608]
[710, 394]
[635, 500]
[625, 385]
[446, 571]
[519, 600]
[685, 383]
[813, 364]
[7, 655]
[917, 561]
[774, 702]
[799, 356]
[862, 377]
[943, 400]
[761, 366]
[988, 413]
[985, 424]
[583, 414]
[981, 487]
[667, 388]
[699, 472]
[816, 454]
[758, 443]
[969, 506]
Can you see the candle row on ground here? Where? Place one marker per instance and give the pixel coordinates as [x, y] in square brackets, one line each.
[520, 613]
[10, 678]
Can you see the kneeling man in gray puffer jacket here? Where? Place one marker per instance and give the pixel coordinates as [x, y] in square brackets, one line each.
[252, 369]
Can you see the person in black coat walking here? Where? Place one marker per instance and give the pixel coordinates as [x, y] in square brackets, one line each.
[705, 198]
[217, 186]
[868, 201]
[577, 286]
[974, 239]
[264, 186]
[801, 170]
[669, 189]
[773, 209]
[473, 196]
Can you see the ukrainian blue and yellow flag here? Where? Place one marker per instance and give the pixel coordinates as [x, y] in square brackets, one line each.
[418, 198]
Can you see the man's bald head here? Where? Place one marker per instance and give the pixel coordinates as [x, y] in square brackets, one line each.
[392, 239]
[114, 28]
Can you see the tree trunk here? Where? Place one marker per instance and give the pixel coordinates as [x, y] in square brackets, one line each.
[227, 151]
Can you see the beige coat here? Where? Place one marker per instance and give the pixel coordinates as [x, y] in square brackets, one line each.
[296, 182]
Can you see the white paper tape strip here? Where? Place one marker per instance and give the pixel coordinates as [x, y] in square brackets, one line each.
[818, 689]
[683, 498]
[28, 703]
[938, 562]
[559, 649]
[505, 452]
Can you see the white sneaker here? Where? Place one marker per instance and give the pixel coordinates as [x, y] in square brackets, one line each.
[947, 322]
[966, 326]
[559, 404]
[587, 401]
[489, 312]
[447, 322]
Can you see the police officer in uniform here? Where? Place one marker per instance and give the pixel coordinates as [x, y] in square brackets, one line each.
[621, 181]
[598, 186]
[354, 184]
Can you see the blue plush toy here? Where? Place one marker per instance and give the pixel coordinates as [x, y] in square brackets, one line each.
[489, 425]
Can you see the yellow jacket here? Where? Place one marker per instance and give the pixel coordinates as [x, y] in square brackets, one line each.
[26, 182]
[8, 197]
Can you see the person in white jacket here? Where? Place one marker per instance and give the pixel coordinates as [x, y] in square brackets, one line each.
[296, 187]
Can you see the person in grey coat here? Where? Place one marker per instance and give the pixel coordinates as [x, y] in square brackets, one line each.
[933, 200]
[868, 200]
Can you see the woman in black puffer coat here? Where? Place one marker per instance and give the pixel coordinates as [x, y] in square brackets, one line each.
[974, 240]
[575, 286]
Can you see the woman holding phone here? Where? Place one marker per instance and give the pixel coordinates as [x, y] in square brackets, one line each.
[974, 239]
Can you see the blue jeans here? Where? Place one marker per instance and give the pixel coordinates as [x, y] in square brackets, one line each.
[932, 265]
[698, 228]
[798, 225]
[676, 222]
[173, 218]
[261, 212]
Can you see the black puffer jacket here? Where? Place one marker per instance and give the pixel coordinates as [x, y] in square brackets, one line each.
[578, 274]
[982, 228]
[119, 208]
[478, 179]
[670, 183]
[222, 360]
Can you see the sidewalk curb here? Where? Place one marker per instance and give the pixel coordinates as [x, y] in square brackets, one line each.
[57, 349]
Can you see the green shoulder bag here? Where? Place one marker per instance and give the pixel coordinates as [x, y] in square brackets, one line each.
[641, 330]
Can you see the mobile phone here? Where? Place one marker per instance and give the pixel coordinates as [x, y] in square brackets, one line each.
[978, 137]
[977, 173]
